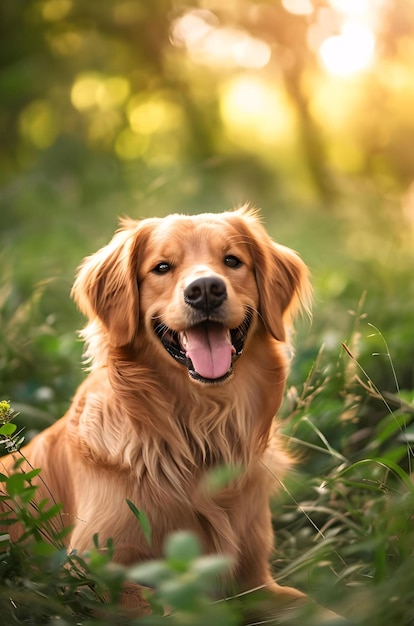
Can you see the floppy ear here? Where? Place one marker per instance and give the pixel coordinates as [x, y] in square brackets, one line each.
[284, 288]
[281, 275]
[106, 285]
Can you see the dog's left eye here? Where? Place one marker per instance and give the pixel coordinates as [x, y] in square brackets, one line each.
[232, 261]
[162, 268]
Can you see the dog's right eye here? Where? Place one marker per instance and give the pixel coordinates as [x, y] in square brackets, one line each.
[162, 268]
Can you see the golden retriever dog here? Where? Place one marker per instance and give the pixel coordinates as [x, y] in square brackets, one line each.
[189, 319]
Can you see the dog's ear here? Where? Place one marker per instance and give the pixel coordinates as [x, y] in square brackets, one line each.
[284, 288]
[106, 286]
[281, 275]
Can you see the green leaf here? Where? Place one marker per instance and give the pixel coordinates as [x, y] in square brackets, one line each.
[32, 474]
[18, 462]
[15, 484]
[143, 521]
[59, 558]
[43, 548]
[28, 494]
[211, 566]
[7, 429]
[385, 463]
[49, 513]
[181, 549]
[64, 532]
[391, 425]
[150, 573]
[182, 592]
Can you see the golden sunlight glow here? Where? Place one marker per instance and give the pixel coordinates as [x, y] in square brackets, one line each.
[298, 7]
[112, 92]
[352, 7]
[154, 115]
[84, 91]
[353, 49]
[350, 52]
[95, 91]
[210, 44]
[251, 108]
[192, 27]
[250, 52]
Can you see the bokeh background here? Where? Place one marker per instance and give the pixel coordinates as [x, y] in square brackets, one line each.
[304, 108]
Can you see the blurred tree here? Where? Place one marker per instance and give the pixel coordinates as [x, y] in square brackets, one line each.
[80, 72]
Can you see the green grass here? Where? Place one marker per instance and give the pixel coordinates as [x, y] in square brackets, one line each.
[343, 521]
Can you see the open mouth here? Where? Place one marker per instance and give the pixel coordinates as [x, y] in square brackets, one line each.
[208, 349]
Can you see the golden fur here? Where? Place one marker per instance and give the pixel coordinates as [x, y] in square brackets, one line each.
[140, 427]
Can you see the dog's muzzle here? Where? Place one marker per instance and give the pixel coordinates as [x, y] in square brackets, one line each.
[207, 349]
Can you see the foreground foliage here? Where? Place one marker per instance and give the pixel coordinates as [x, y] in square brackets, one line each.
[345, 534]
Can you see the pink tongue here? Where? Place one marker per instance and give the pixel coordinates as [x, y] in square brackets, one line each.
[209, 348]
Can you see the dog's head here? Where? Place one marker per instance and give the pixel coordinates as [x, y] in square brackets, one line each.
[196, 287]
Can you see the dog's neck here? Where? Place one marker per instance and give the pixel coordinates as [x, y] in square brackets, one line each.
[223, 424]
[159, 421]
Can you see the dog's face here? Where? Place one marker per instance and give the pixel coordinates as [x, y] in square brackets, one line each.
[198, 293]
[195, 287]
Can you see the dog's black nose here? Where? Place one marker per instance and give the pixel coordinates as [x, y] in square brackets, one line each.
[205, 293]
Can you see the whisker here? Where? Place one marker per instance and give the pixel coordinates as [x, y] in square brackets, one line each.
[258, 313]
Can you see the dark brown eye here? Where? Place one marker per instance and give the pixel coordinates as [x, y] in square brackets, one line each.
[162, 268]
[232, 261]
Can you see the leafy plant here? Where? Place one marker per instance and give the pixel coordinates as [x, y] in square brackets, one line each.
[185, 582]
[348, 536]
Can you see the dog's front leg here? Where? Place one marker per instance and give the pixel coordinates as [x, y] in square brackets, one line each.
[262, 596]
